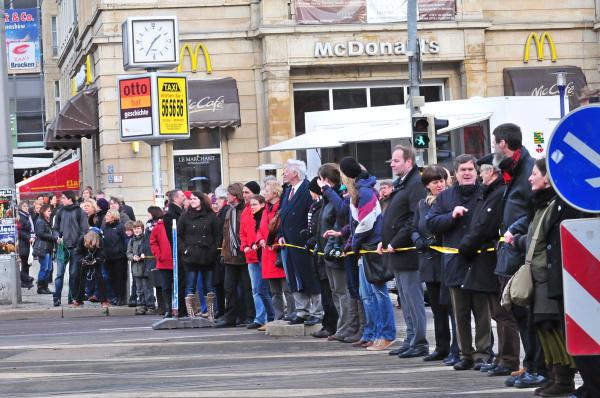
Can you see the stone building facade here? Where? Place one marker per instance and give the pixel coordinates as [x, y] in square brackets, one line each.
[284, 69]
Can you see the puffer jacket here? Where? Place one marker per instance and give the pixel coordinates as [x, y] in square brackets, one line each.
[161, 247]
[248, 234]
[197, 234]
[114, 241]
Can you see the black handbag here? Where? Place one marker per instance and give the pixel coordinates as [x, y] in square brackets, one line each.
[509, 260]
[40, 248]
[376, 269]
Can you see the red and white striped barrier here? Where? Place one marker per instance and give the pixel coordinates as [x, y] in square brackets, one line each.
[580, 240]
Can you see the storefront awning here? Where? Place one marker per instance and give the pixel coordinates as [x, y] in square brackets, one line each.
[53, 143]
[30, 163]
[541, 81]
[213, 103]
[62, 177]
[78, 117]
[325, 138]
[460, 121]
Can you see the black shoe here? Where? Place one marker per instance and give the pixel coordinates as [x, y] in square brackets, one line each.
[414, 353]
[114, 301]
[321, 334]
[132, 301]
[499, 371]
[451, 360]
[478, 364]
[26, 285]
[57, 302]
[44, 290]
[168, 314]
[253, 325]
[289, 318]
[435, 356]
[399, 351]
[225, 324]
[312, 321]
[297, 321]
[487, 367]
[464, 364]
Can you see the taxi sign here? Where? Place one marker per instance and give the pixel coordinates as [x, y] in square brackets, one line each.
[574, 158]
[172, 102]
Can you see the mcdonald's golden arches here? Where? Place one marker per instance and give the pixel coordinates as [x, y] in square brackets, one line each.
[539, 45]
[194, 57]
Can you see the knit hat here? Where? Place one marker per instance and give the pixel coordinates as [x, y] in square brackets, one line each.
[314, 187]
[103, 204]
[187, 194]
[350, 167]
[253, 186]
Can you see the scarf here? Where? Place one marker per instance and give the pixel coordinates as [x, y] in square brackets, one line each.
[509, 165]
[234, 236]
[257, 218]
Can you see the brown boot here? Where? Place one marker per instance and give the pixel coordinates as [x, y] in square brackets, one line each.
[549, 381]
[564, 382]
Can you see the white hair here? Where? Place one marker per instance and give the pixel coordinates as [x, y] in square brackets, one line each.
[298, 166]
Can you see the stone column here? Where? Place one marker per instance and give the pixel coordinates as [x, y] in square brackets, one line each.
[279, 103]
[474, 67]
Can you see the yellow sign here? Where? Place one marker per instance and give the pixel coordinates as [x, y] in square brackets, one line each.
[194, 57]
[172, 102]
[539, 45]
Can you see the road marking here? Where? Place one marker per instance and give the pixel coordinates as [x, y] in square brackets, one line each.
[495, 391]
[122, 329]
[17, 376]
[412, 370]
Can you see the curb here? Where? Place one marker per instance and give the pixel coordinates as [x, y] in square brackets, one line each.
[63, 312]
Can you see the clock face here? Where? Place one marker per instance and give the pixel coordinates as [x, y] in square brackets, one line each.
[153, 41]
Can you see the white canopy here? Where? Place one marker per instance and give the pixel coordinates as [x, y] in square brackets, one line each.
[31, 163]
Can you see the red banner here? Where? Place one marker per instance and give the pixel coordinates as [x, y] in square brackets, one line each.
[62, 177]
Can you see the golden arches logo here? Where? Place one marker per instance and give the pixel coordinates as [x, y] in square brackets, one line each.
[194, 57]
[539, 45]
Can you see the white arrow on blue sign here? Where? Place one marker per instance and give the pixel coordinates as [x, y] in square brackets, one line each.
[574, 158]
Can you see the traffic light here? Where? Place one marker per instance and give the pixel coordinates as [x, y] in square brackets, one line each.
[443, 149]
[420, 130]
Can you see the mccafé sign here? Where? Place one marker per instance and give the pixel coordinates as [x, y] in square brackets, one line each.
[355, 48]
[539, 45]
[194, 57]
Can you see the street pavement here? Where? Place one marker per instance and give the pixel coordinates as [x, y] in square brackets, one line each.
[121, 357]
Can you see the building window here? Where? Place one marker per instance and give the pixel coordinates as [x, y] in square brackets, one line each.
[67, 21]
[27, 105]
[54, 37]
[56, 97]
[197, 161]
[373, 155]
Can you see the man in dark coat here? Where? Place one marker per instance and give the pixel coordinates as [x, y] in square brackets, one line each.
[300, 275]
[450, 217]
[516, 164]
[396, 233]
[482, 236]
[176, 198]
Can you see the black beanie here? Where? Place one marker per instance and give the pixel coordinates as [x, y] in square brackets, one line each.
[350, 167]
[314, 187]
[253, 186]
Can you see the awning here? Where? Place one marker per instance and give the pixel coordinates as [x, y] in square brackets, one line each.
[31, 163]
[51, 142]
[78, 117]
[213, 103]
[541, 81]
[460, 121]
[318, 139]
[62, 177]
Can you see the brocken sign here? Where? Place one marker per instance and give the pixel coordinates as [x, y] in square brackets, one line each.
[194, 57]
[539, 45]
[357, 48]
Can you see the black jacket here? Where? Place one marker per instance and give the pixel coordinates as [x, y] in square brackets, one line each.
[197, 236]
[25, 233]
[71, 223]
[45, 235]
[398, 221]
[430, 261]
[173, 213]
[451, 230]
[129, 211]
[114, 241]
[516, 200]
[482, 235]
[327, 221]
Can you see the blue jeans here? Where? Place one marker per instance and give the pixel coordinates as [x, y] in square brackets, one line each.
[200, 282]
[108, 289]
[410, 292]
[260, 294]
[386, 326]
[45, 268]
[74, 276]
[367, 297]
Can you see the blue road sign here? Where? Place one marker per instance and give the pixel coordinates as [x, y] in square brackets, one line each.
[574, 158]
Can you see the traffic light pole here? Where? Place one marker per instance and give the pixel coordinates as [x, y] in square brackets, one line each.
[413, 66]
[7, 177]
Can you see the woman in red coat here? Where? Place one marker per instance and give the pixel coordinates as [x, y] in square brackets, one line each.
[163, 253]
[266, 238]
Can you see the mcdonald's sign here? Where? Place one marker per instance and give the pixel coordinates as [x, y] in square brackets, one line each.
[194, 57]
[539, 45]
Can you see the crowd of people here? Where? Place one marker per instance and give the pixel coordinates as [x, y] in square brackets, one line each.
[322, 252]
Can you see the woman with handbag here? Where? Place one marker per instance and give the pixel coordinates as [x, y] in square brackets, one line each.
[26, 237]
[197, 235]
[43, 248]
[91, 258]
[365, 234]
[542, 245]
[272, 271]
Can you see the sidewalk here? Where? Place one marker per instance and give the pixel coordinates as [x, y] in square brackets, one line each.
[40, 306]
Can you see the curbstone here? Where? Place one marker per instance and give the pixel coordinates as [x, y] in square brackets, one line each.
[282, 328]
[25, 314]
[182, 323]
[83, 312]
[121, 311]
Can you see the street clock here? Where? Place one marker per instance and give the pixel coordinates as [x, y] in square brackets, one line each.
[150, 43]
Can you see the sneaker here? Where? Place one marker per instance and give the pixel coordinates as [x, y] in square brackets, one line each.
[263, 328]
[510, 381]
[381, 345]
[529, 380]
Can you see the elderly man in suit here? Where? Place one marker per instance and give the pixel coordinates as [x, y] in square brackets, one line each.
[300, 274]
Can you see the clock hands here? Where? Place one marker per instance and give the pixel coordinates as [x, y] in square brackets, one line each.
[152, 44]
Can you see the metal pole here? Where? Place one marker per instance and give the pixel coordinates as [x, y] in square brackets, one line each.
[7, 176]
[561, 93]
[413, 65]
[156, 180]
[175, 298]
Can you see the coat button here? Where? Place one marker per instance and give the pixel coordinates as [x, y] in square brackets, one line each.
[549, 247]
